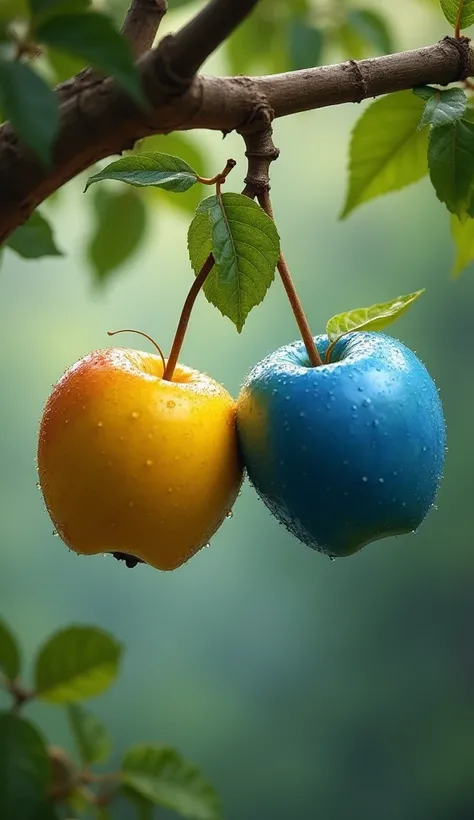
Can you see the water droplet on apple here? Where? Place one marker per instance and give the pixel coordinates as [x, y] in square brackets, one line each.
[364, 479]
[56, 534]
[360, 389]
[131, 503]
[404, 503]
[366, 402]
[333, 558]
[171, 404]
[100, 424]
[375, 423]
[381, 481]
[424, 449]
[395, 472]
[230, 514]
[38, 485]
[135, 414]
[287, 398]
[149, 462]
[354, 406]
[302, 414]
[206, 546]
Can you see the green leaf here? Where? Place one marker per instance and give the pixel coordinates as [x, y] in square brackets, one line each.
[42, 7]
[9, 653]
[92, 37]
[63, 65]
[92, 738]
[246, 248]
[76, 663]
[34, 239]
[46, 811]
[161, 776]
[118, 230]
[387, 150]
[31, 106]
[451, 164]
[451, 10]
[373, 28]
[443, 106]
[463, 236]
[24, 769]
[142, 806]
[352, 45]
[179, 145]
[158, 170]
[375, 317]
[305, 45]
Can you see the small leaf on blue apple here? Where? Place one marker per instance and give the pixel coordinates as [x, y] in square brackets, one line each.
[155, 169]
[443, 106]
[451, 164]
[375, 317]
[34, 239]
[246, 248]
[451, 9]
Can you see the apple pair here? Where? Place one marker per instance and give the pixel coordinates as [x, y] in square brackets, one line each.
[342, 454]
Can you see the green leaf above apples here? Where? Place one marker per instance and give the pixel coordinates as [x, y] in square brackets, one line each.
[149, 169]
[387, 151]
[458, 11]
[375, 317]
[451, 164]
[246, 248]
[443, 106]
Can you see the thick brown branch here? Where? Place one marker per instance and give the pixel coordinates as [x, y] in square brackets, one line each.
[142, 22]
[98, 120]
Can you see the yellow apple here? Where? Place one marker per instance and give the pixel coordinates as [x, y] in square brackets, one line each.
[131, 463]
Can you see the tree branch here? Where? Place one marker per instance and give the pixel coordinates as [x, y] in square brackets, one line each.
[98, 120]
[142, 22]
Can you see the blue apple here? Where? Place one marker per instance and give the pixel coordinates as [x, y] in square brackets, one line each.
[348, 452]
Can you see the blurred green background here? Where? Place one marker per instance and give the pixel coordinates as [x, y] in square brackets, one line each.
[303, 688]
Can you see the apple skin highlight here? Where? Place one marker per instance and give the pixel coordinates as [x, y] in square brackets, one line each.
[349, 452]
[131, 463]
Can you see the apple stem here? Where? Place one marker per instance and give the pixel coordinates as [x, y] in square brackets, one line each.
[185, 316]
[293, 298]
[145, 335]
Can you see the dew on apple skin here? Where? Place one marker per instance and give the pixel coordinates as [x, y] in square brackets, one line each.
[171, 404]
[365, 479]
[100, 424]
[55, 534]
[366, 402]
[135, 414]
[149, 462]
[229, 514]
[381, 481]
[333, 558]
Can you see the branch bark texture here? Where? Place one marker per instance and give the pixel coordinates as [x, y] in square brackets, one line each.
[98, 120]
[142, 22]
